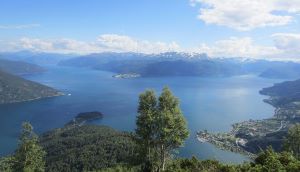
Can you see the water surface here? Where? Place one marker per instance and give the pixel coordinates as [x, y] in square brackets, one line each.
[207, 103]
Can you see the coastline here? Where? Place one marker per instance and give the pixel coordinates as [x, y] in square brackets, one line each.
[33, 99]
[241, 133]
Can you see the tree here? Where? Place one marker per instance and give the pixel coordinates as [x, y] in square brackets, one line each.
[160, 125]
[172, 127]
[7, 163]
[29, 156]
[292, 142]
[145, 123]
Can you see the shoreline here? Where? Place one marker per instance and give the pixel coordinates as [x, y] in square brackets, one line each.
[236, 139]
[33, 99]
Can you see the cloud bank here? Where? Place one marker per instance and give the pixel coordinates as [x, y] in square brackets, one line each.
[286, 46]
[245, 15]
[104, 43]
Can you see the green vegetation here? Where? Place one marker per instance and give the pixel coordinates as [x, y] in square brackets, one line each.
[292, 142]
[161, 127]
[145, 132]
[29, 156]
[86, 148]
[84, 117]
[16, 89]
[267, 161]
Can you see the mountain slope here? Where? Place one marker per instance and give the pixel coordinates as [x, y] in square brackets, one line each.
[184, 64]
[17, 89]
[164, 64]
[19, 67]
[35, 57]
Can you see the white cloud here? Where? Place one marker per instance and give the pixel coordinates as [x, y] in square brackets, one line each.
[57, 46]
[23, 26]
[237, 47]
[113, 42]
[106, 42]
[288, 44]
[247, 14]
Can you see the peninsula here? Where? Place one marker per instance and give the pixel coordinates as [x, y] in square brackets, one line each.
[16, 89]
[249, 137]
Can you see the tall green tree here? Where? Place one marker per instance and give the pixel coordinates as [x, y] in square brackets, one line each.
[29, 157]
[171, 125]
[292, 142]
[161, 125]
[145, 123]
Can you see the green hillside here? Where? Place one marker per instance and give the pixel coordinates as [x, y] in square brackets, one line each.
[17, 89]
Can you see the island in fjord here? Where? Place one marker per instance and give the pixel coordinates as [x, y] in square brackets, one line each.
[84, 117]
[127, 75]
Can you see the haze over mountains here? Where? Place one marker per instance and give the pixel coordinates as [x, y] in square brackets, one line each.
[183, 64]
[152, 65]
[19, 67]
[35, 58]
[14, 88]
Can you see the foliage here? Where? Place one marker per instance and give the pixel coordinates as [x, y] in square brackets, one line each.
[292, 142]
[86, 148]
[267, 160]
[29, 155]
[145, 131]
[172, 128]
[7, 163]
[160, 126]
[121, 168]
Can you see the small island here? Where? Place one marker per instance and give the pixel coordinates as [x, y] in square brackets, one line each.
[84, 117]
[127, 75]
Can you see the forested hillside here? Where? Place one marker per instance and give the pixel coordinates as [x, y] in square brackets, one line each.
[17, 89]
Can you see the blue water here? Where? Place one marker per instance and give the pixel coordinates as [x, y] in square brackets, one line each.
[207, 103]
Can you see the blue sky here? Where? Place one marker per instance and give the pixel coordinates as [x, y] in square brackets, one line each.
[252, 28]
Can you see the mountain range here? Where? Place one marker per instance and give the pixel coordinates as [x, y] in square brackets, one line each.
[20, 67]
[183, 64]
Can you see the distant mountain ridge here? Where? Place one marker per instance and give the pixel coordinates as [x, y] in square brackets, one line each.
[16, 89]
[37, 58]
[19, 67]
[183, 64]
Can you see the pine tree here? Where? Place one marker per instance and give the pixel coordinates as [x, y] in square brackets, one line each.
[29, 156]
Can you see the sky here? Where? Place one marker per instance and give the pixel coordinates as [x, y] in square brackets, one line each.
[220, 28]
